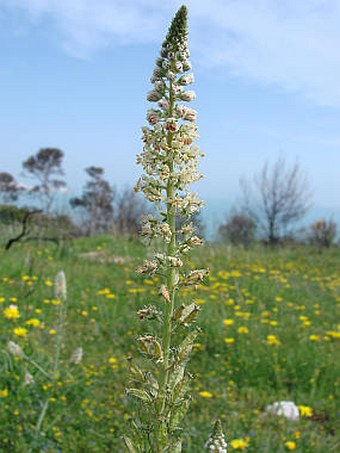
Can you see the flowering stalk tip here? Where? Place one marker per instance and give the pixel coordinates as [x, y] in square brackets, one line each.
[170, 165]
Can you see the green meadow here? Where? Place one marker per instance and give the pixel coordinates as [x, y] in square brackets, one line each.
[270, 333]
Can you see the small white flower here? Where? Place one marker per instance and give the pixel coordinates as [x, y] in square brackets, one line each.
[178, 66]
[188, 95]
[187, 65]
[171, 125]
[77, 356]
[187, 79]
[159, 85]
[28, 380]
[149, 267]
[285, 409]
[163, 104]
[153, 116]
[165, 64]
[154, 96]
[190, 115]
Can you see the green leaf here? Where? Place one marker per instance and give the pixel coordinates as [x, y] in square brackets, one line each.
[180, 389]
[181, 358]
[175, 446]
[139, 393]
[178, 312]
[137, 373]
[189, 314]
[178, 412]
[132, 448]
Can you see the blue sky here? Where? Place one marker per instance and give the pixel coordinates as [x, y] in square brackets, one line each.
[74, 74]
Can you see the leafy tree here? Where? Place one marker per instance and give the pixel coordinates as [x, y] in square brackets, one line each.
[45, 167]
[277, 197]
[96, 201]
[9, 187]
[239, 229]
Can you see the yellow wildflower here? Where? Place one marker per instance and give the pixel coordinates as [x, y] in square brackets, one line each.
[228, 322]
[3, 393]
[56, 301]
[12, 312]
[102, 292]
[305, 411]
[239, 444]
[333, 334]
[290, 445]
[273, 340]
[205, 394]
[314, 337]
[243, 329]
[20, 332]
[229, 340]
[33, 322]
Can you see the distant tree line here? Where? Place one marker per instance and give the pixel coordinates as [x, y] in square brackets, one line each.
[99, 209]
[273, 202]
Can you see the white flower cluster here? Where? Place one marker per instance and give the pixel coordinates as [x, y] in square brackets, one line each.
[15, 349]
[152, 228]
[161, 261]
[216, 442]
[169, 153]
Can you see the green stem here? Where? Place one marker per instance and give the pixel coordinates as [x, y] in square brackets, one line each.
[171, 286]
[41, 418]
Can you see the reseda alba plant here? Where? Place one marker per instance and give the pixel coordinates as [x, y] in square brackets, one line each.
[170, 163]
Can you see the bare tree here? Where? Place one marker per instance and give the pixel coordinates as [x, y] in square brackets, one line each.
[323, 233]
[97, 202]
[129, 212]
[45, 166]
[9, 187]
[239, 229]
[277, 197]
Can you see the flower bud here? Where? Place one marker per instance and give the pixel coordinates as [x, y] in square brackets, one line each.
[171, 125]
[188, 96]
[216, 442]
[28, 379]
[15, 349]
[165, 293]
[153, 116]
[154, 96]
[163, 104]
[186, 79]
[77, 356]
[60, 288]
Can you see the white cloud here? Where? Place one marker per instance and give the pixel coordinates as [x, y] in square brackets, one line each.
[289, 43]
